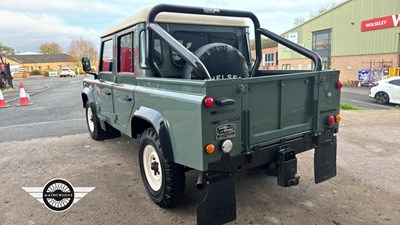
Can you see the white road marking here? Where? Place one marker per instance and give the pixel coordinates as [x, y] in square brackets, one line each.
[41, 123]
[367, 103]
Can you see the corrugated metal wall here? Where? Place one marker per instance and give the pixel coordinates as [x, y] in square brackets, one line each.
[345, 22]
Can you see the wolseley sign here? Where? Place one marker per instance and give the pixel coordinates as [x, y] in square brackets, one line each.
[381, 23]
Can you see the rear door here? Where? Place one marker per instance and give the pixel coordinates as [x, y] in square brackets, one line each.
[278, 106]
[106, 79]
[123, 89]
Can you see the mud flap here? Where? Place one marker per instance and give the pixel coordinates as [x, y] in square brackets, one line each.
[219, 205]
[325, 161]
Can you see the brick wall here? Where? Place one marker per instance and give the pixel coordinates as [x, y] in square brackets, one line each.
[266, 51]
[349, 65]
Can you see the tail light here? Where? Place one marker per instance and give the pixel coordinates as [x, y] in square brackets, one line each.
[339, 85]
[208, 102]
[330, 121]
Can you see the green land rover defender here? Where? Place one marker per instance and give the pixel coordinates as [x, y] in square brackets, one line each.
[182, 80]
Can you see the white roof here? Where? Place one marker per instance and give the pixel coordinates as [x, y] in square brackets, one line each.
[141, 16]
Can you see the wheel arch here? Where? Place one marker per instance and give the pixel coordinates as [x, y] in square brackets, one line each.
[146, 117]
[87, 96]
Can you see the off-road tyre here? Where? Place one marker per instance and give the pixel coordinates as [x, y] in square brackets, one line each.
[94, 127]
[221, 61]
[167, 185]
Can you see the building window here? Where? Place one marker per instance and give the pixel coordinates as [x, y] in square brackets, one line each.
[286, 66]
[107, 56]
[125, 50]
[269, 59]
[322, 40]
[31, 68]
[321, 44]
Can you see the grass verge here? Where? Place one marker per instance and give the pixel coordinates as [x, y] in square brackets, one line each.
[348, 106]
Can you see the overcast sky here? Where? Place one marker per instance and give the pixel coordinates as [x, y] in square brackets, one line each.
[25, 24]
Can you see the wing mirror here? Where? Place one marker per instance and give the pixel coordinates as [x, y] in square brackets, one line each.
[86, 65]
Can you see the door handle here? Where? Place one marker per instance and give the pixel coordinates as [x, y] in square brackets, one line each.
[128, 99]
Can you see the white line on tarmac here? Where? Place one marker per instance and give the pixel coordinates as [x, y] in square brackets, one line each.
[41, 123]
[367, 103]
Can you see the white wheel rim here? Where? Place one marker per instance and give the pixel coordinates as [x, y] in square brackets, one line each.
[150, 158]
[90, 120]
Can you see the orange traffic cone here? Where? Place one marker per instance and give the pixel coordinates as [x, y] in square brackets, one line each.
[3, 103]
[23, 97]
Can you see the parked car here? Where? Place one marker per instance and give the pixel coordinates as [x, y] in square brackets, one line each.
[387, 91]
[67, 72]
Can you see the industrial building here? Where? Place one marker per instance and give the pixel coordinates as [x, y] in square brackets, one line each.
[354, 36]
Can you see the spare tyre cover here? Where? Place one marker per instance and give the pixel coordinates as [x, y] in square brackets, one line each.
[221, 60]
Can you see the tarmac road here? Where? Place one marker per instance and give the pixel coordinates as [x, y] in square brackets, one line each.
[365, 191]
[56, 109]
[359, 96]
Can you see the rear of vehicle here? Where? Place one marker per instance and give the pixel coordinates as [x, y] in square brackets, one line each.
[261, 115]
[198, 102]
[261, 119]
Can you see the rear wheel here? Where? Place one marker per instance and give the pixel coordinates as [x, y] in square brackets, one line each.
[94, 127]
[382, 97]
[93, 122]
[164, 181]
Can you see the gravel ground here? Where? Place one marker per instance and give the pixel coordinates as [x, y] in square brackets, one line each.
[365, 191]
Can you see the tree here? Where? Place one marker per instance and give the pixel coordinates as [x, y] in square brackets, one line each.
[50, 48]
[299, 20]
[5, 50]
[83, 48]
[322, 9]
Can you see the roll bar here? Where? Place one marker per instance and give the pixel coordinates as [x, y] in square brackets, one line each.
[192, 59]
[297, 48]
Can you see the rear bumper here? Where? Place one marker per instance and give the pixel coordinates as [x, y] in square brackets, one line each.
[261, 155]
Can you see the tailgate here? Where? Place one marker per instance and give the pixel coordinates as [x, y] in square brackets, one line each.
[278, 107]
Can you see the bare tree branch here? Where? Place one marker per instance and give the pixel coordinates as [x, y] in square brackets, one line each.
[83, 48]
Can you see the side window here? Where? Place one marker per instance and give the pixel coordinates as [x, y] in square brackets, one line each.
[395, 82]
[107, 56]
[226, 38]
[191, 40]
[125, 52]
[194, 40]
[157, 54]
